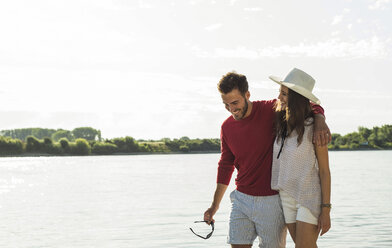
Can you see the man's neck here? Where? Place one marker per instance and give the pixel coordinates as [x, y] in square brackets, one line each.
[249, 111]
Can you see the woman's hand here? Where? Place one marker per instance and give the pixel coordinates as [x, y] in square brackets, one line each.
[324, 222]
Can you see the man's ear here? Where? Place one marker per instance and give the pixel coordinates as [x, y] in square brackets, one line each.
[247, 95]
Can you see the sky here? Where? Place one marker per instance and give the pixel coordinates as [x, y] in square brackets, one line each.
[149, 69]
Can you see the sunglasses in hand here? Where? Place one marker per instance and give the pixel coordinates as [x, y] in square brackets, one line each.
[208, 235]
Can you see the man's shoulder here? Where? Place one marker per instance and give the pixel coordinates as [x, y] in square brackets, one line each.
[264, 103]
[264, 106]
[228, 121]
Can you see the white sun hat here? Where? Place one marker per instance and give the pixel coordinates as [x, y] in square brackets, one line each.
[300, 82]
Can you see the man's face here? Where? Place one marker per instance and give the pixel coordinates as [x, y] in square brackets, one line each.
[236, 103]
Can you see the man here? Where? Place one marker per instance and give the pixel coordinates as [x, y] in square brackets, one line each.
[247, 138]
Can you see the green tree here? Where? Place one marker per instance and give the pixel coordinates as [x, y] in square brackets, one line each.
[184, 148]
[62, 134]
[374, 139]
[64, 144]
[354, 138]
[385, 134]
[334, 137]
[32, 144]
[81, 147]
[127, 144]
[165, 140]
[10, 146]
[209, 145]
[104, 148]
[87, 133]
[41, 133]
[174, 145]
[48, 141]
[131, 144]
[364, 132]
[23, 133]
[341, 141]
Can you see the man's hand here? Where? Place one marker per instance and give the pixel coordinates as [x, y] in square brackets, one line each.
[209, 214]
[321, 134]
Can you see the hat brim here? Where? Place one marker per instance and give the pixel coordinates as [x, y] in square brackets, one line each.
[300, 90]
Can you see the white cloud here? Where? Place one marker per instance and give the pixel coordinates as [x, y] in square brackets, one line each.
[379, 4]
[352, 93]
[337, 19]
[194, 2]
[335, 33]
[213, 27]
[239, 52]
[333, 48]
[198, 52]
[349, 26]
[253, 9]
[144, 5]
[232, 2]
[265, 85]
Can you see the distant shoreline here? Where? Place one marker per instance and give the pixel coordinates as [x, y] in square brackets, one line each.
[113, 154]
[87, 141]
[155, 153]
[360, 149]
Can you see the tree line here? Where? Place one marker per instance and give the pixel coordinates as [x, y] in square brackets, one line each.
[365, 138]
[87, 133]
[87, 140]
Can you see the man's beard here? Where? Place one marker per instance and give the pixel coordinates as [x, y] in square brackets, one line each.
[243, 112]
[245, 109]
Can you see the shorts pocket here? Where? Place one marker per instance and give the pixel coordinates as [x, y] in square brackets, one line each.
[232, 196]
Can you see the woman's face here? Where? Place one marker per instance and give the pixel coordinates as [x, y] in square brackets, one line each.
[283, 96]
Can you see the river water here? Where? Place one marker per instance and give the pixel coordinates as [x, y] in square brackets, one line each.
[152, 200]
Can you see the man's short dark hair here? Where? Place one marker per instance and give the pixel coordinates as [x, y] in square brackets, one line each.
[231, 81]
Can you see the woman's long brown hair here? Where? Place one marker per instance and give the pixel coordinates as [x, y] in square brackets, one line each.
[293, 117]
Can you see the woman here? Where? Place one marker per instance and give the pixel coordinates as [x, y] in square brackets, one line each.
[300, 170]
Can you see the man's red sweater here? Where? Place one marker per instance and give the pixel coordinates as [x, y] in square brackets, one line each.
[247, 145]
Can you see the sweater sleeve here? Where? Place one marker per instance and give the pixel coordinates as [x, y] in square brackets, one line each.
[317, 109]
[226, 162]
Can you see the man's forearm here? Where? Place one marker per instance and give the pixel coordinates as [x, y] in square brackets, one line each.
[219, 193]
[321, 133]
